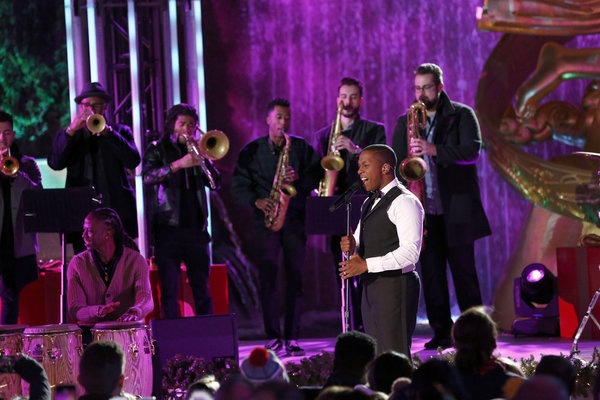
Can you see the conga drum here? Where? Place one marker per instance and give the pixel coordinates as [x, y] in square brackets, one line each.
[58, 348]
[11, 344]
[134, 338]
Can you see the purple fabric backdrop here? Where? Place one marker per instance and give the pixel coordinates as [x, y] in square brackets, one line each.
[260, 49]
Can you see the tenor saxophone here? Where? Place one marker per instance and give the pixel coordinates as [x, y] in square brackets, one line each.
[332, 163]
[281, 192]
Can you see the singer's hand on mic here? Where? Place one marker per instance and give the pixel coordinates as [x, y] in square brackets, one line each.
[356, 265]
[347, 243]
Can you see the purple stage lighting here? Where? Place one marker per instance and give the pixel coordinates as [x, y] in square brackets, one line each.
[538, 285]
[535, 275]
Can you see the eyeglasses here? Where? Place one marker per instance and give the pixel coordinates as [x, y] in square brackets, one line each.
[423, 88]
[94, 105]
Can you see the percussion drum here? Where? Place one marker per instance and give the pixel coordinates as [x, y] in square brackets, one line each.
[11, 344]
[58, 348]
[134, 338]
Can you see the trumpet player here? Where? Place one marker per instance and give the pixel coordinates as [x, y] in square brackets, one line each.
[255, 176]
[454, 217]
[357, 133]
[18, 265]
[98, 154]
[178, 210]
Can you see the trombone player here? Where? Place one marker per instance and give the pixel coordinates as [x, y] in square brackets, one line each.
[450, 144]
[18, 265]
[178, 208]
[96, 153]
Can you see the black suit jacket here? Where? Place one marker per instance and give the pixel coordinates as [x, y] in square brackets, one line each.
[457, 139]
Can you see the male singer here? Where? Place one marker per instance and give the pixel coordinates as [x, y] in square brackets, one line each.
[387, 243]
[454, 215]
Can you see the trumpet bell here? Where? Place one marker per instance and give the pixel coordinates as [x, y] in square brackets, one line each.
[9, 165]
[213, 145]
[95, 123]
[332, 162]
[413, 168]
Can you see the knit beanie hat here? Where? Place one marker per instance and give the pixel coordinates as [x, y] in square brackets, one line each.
[262, 366]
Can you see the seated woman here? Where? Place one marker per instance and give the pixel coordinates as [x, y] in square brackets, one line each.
[110, 281]
[474, 334]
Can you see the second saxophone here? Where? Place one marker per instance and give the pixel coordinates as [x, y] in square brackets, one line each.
[332, 163]
[281, 192]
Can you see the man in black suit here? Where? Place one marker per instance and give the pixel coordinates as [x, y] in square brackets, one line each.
[454, 216]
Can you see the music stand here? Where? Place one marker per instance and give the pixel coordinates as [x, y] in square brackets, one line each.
[321, 221]
[58, 211]
[588, 313]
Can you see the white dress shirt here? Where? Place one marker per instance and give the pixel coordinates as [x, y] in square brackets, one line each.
[406, 212]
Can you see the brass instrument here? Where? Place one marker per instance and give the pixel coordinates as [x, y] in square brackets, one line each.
[281, 192]
[413, 168]
[95, 123]
[332, 163]
[9, 165]
[212, 145]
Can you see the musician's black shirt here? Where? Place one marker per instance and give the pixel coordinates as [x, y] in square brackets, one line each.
[255, 170]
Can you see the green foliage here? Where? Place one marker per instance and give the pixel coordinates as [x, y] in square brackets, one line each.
[181, 371]
[33, 69]
[312, 371]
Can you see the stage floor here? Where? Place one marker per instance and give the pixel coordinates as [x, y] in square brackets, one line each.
[508, 346]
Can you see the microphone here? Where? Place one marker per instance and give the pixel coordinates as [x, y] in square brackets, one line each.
[345, 197]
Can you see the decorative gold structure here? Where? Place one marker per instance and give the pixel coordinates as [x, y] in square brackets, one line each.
[541, 17]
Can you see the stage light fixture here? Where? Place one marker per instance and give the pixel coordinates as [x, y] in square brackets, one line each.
[536, 302]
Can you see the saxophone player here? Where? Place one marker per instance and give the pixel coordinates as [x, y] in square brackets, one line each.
[178, 209]
[261, 165]
[356, 134]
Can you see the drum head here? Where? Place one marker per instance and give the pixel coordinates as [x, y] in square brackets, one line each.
[47, 329]
[114, 325]
[12, 328]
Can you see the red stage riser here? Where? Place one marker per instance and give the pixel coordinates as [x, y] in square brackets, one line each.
[578, 279]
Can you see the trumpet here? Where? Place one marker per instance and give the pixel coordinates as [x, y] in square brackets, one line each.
[95, 123]
[212, 145]
[9, 165]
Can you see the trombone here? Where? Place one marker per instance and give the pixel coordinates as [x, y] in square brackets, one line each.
[212, 145]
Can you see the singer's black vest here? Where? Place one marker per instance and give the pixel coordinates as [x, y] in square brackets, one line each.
[378, 235]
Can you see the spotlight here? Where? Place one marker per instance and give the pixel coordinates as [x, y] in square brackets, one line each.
[536, 300]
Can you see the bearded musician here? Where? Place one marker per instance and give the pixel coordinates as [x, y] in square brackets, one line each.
[254, 185]
[454, 216]
[356, 134]
[179, 211]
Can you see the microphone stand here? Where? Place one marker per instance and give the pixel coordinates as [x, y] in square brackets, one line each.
[347, 311]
